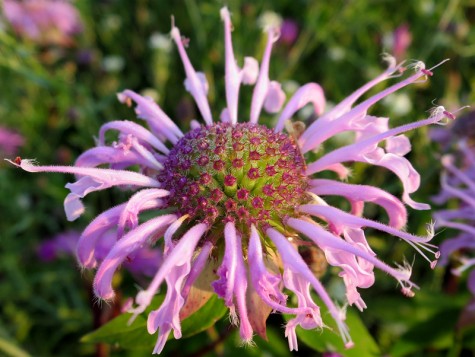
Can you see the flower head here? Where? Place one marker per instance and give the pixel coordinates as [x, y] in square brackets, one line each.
[242, 196]
[43, 21]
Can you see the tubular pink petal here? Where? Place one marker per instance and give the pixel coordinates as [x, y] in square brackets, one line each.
[232, 280]
[239, 290]
[204, 83]
[167, 317]
[310, 93]
[308, 320]
[149, 111]
[265, 283]
[344, 106]
[130, 128]
[224, 286]
[86, 246]
[367, 151]
[262, 84]
[324, 127]
[140, 201]
[232, 71]
[342, 220]
[130, 242]
[197, 267]
[275, 98]
[107, 177]
[94, 180]
[180, 255]
[295, 263]
[171, 231]
[369, 126]
[398, 145]
[250, 70]
[109, 155]
[224, 116]
[147, 155]
[363, 193]
[194, 84]
[325, 240]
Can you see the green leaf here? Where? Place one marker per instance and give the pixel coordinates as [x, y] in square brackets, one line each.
[436, 332]
[11, 349]
[204, 318]
[117, 332]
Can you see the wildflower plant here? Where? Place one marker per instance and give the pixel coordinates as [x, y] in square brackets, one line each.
[247, 199]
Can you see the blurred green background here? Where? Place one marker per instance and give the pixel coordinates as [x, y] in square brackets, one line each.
[57, 98]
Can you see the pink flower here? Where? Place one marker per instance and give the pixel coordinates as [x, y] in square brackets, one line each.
[458, 183]
[242, 197]
[44, 21]
[9, 142]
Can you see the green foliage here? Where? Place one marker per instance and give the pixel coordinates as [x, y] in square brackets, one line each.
[119, 332]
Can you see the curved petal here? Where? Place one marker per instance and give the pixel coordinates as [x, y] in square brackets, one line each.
[193, 82]
[129, 243]
[309, 93]
[148, 110]
[363, 193]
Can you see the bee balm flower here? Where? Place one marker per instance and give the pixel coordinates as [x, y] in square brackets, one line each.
[242, 196]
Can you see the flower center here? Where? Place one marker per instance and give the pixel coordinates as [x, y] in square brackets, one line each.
[245, 173]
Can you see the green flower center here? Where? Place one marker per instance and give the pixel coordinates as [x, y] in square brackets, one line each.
[246, 174]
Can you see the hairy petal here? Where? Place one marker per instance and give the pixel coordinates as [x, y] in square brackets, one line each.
[310, 93]
[331, 243]
[130, 128]
[294, 263]
[180, 255]
[142, 200]
[194, 84]
[262, 85]
[341, 118]
[367, 151]
[357, 194]
[86, 246]
[129, 243]
[148, 110]
[94, 180]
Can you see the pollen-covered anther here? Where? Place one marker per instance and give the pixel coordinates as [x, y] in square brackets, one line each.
[235, 173]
